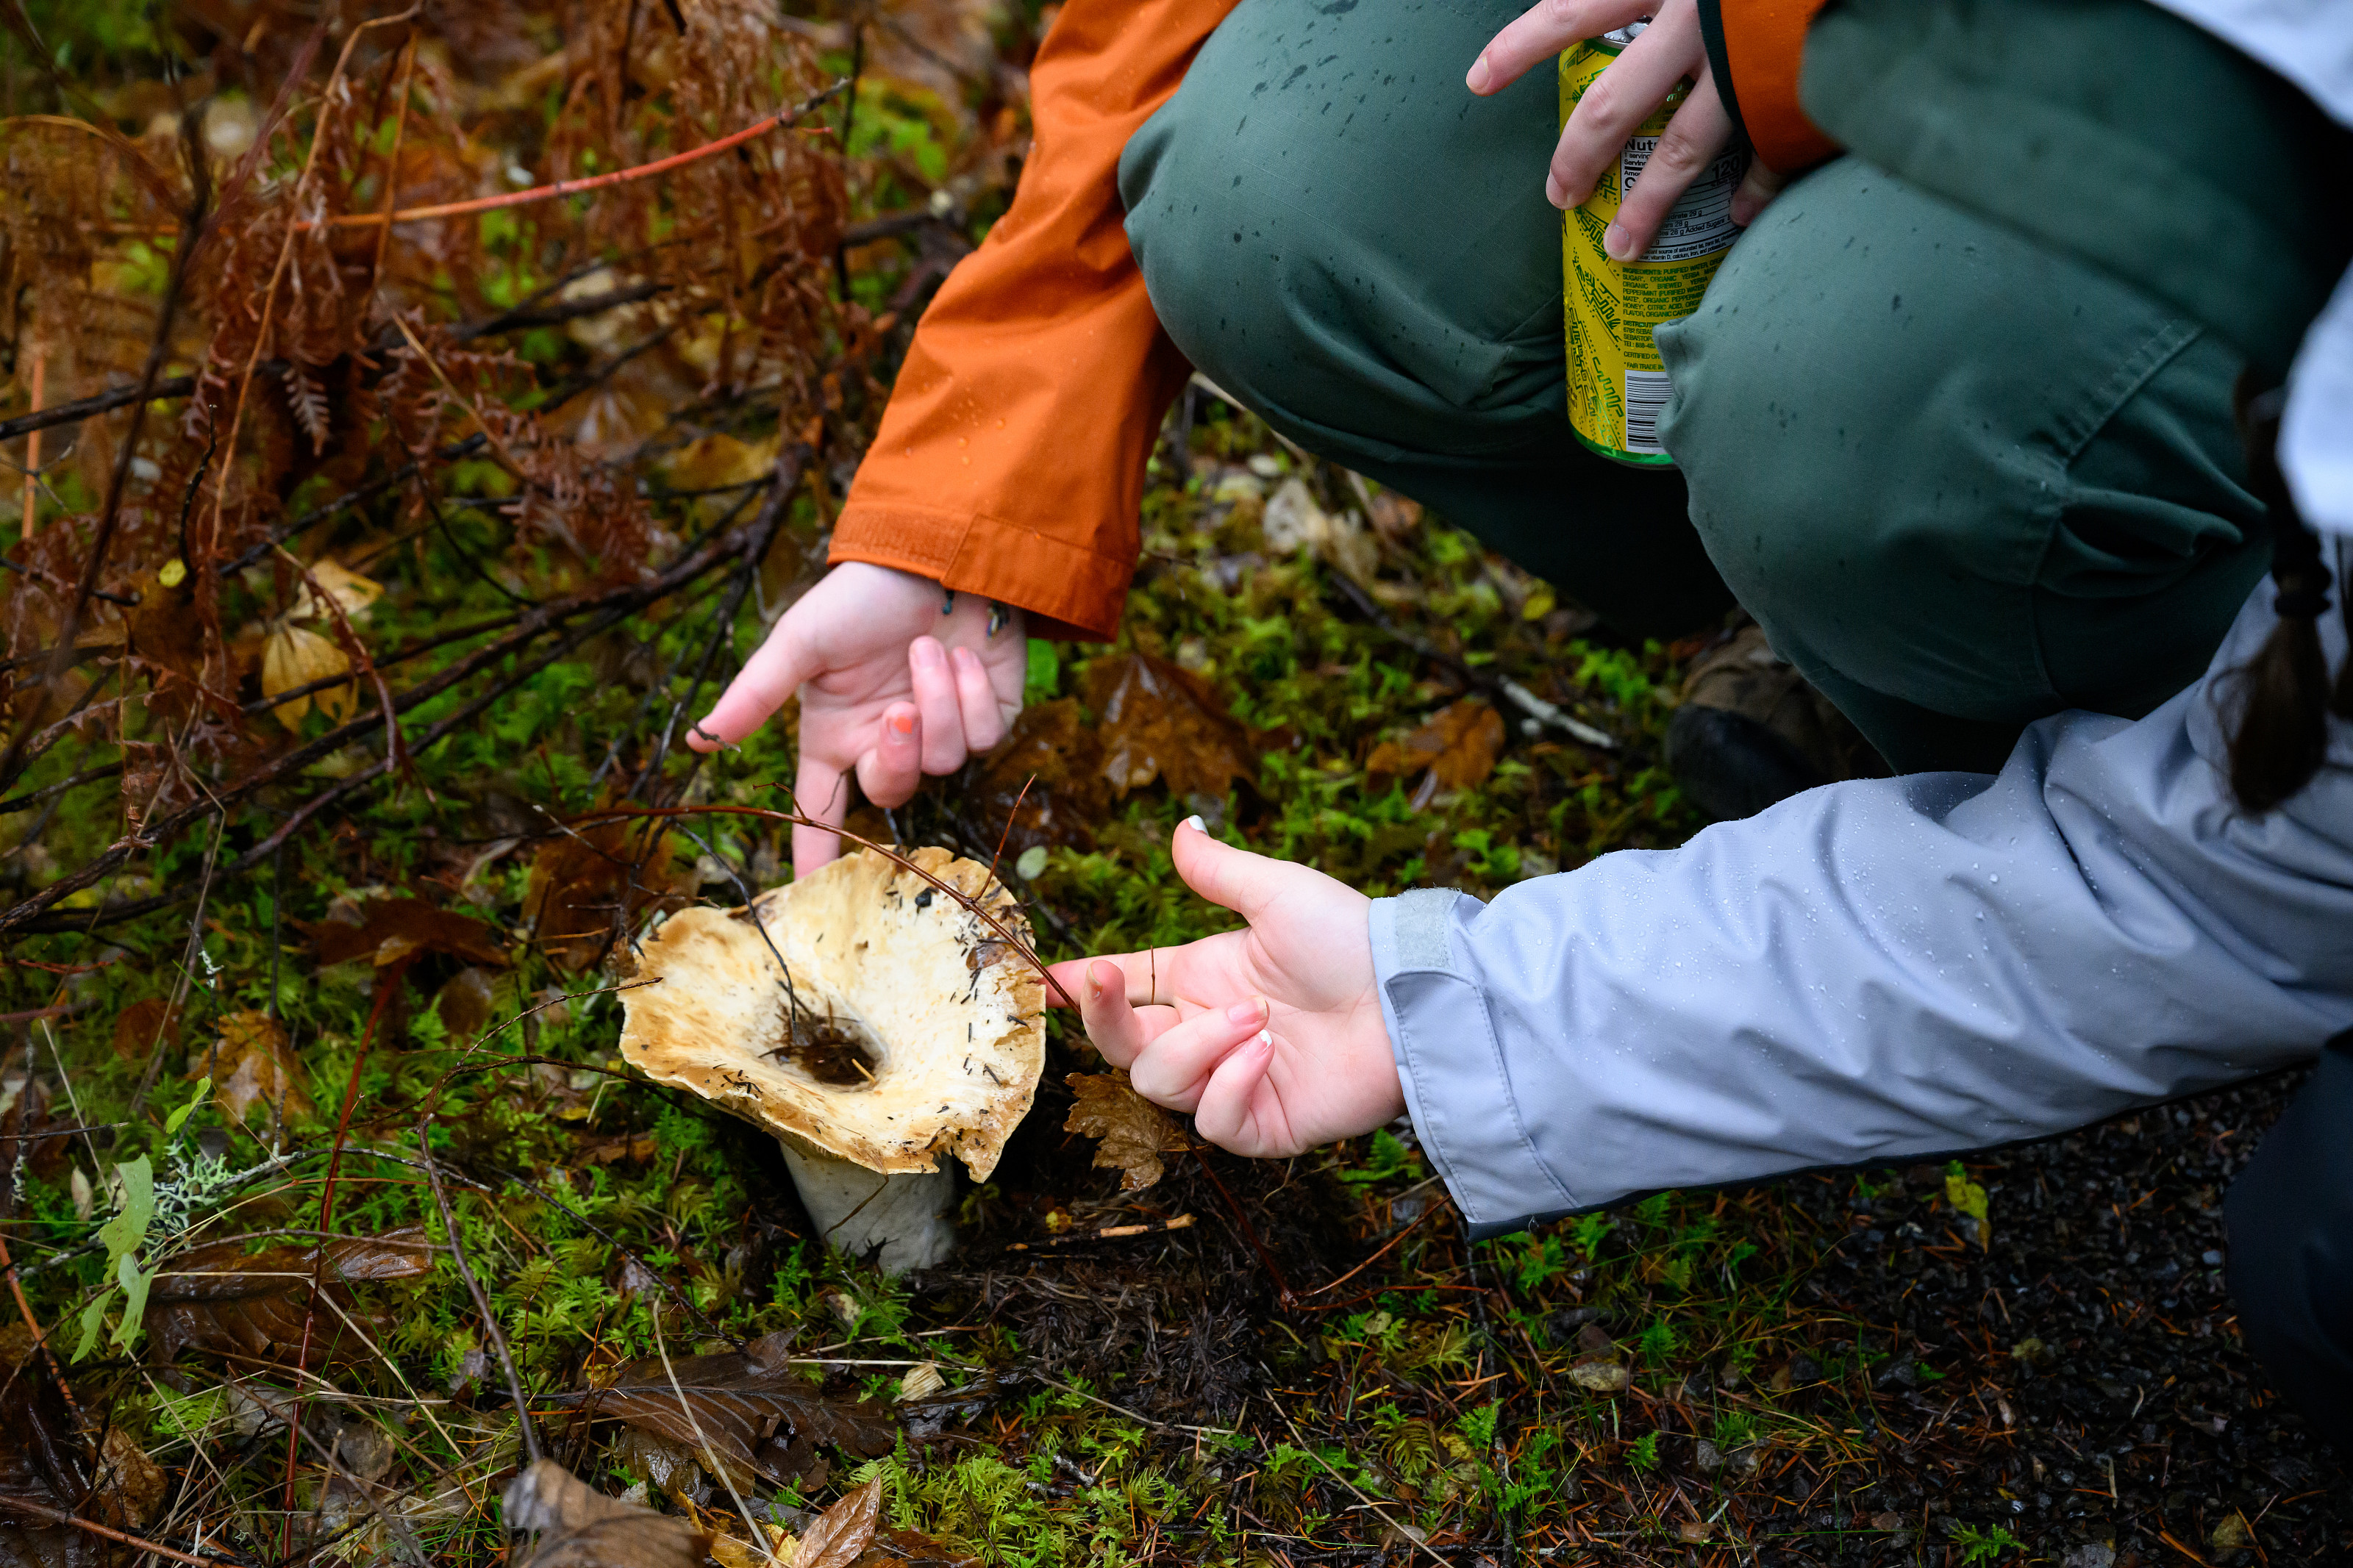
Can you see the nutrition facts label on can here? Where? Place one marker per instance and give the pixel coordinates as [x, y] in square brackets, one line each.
[1700, 222]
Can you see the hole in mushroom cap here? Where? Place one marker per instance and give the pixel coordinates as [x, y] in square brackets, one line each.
[828, 1049]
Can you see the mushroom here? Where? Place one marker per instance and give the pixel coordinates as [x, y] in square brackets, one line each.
[869, 1020]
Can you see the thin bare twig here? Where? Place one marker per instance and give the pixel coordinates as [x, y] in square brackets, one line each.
[474, 1287]
[549, 192]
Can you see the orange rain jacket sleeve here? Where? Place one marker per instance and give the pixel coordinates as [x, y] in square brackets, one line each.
[1755, 47]
[1011, 460]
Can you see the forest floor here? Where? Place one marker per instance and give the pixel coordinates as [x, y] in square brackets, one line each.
[312, 1072]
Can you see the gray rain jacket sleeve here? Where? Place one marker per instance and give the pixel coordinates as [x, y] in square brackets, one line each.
[1875, 971]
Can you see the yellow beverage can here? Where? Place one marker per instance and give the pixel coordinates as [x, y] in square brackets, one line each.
[1616, 386]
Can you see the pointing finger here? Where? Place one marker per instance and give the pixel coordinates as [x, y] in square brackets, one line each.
[767, 681]
[1119, 1029]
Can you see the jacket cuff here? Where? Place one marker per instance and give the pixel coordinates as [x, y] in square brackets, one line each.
[1755, 48]
[1457, 1089]
[975, 553]
[1719, 61]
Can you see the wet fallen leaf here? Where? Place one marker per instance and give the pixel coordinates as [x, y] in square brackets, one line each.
[390, 930]
[131, 1486]
[1158, 721]
[670, 1467]
[293, 656]
[352, 593]
[1131, 1133]
[711, 461]
[42, 1462]
[580, 880]
[761, 1418]
[165, 631]
[221, 1301]
[921, 1383]
[1600, 1376]
[2232, 1534]
[1057, 756]
[467, 1002]
[148, 1025]
[841, 1533]
[253, 1063]
[1457, 746]
[1293, 522]
[1695, 1531]
[579, 1527]
[155, 782]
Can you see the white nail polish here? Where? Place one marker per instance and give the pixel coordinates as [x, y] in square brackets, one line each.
[1265, 1038]
[1195, 823]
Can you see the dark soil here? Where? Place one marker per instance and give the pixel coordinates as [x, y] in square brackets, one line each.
[2109, 1399]
[2078, 1385]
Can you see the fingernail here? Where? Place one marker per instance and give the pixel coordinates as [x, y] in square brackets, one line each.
[925, 652]
[1617, 243]
[1477, 80]
[1555, 192]
[1263, 1039]
[1249, 1012]
[903, 724]
[964, 659]
[1195, 823]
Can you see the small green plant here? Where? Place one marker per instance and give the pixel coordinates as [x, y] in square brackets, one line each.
[1969, 1198]
[1985, 1545]
[1388, 1158]
[1643, 1453]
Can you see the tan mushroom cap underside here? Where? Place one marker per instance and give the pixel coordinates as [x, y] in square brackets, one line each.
[955, 1017]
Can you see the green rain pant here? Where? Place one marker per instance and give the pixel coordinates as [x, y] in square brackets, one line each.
[1962, 482]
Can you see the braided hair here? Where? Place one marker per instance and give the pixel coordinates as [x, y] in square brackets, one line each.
[2284, 694]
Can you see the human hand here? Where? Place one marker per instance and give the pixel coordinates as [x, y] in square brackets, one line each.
[889, 685]
[1629, 89]
[1272, 1036]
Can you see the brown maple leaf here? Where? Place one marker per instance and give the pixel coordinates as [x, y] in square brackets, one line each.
[1056, 757]
[842, 1532]
[583, 879]
[147, 1025]
[221, 1301]
[1457, 746]
[579, 1527]
[1131, 1133]
[1159, 721]
[758, 1416]
[253, 1063]
[390, 930]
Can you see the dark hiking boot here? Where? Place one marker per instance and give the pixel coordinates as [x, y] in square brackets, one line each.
[1752, 732]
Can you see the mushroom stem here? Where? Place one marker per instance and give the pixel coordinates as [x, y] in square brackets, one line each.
[903, 1220]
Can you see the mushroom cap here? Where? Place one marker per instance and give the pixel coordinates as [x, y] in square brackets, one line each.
[949, 1018]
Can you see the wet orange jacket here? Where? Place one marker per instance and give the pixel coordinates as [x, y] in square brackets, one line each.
[1011, 458]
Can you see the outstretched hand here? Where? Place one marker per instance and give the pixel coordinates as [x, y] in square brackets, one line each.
[1271, 1037]
[892, 688]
